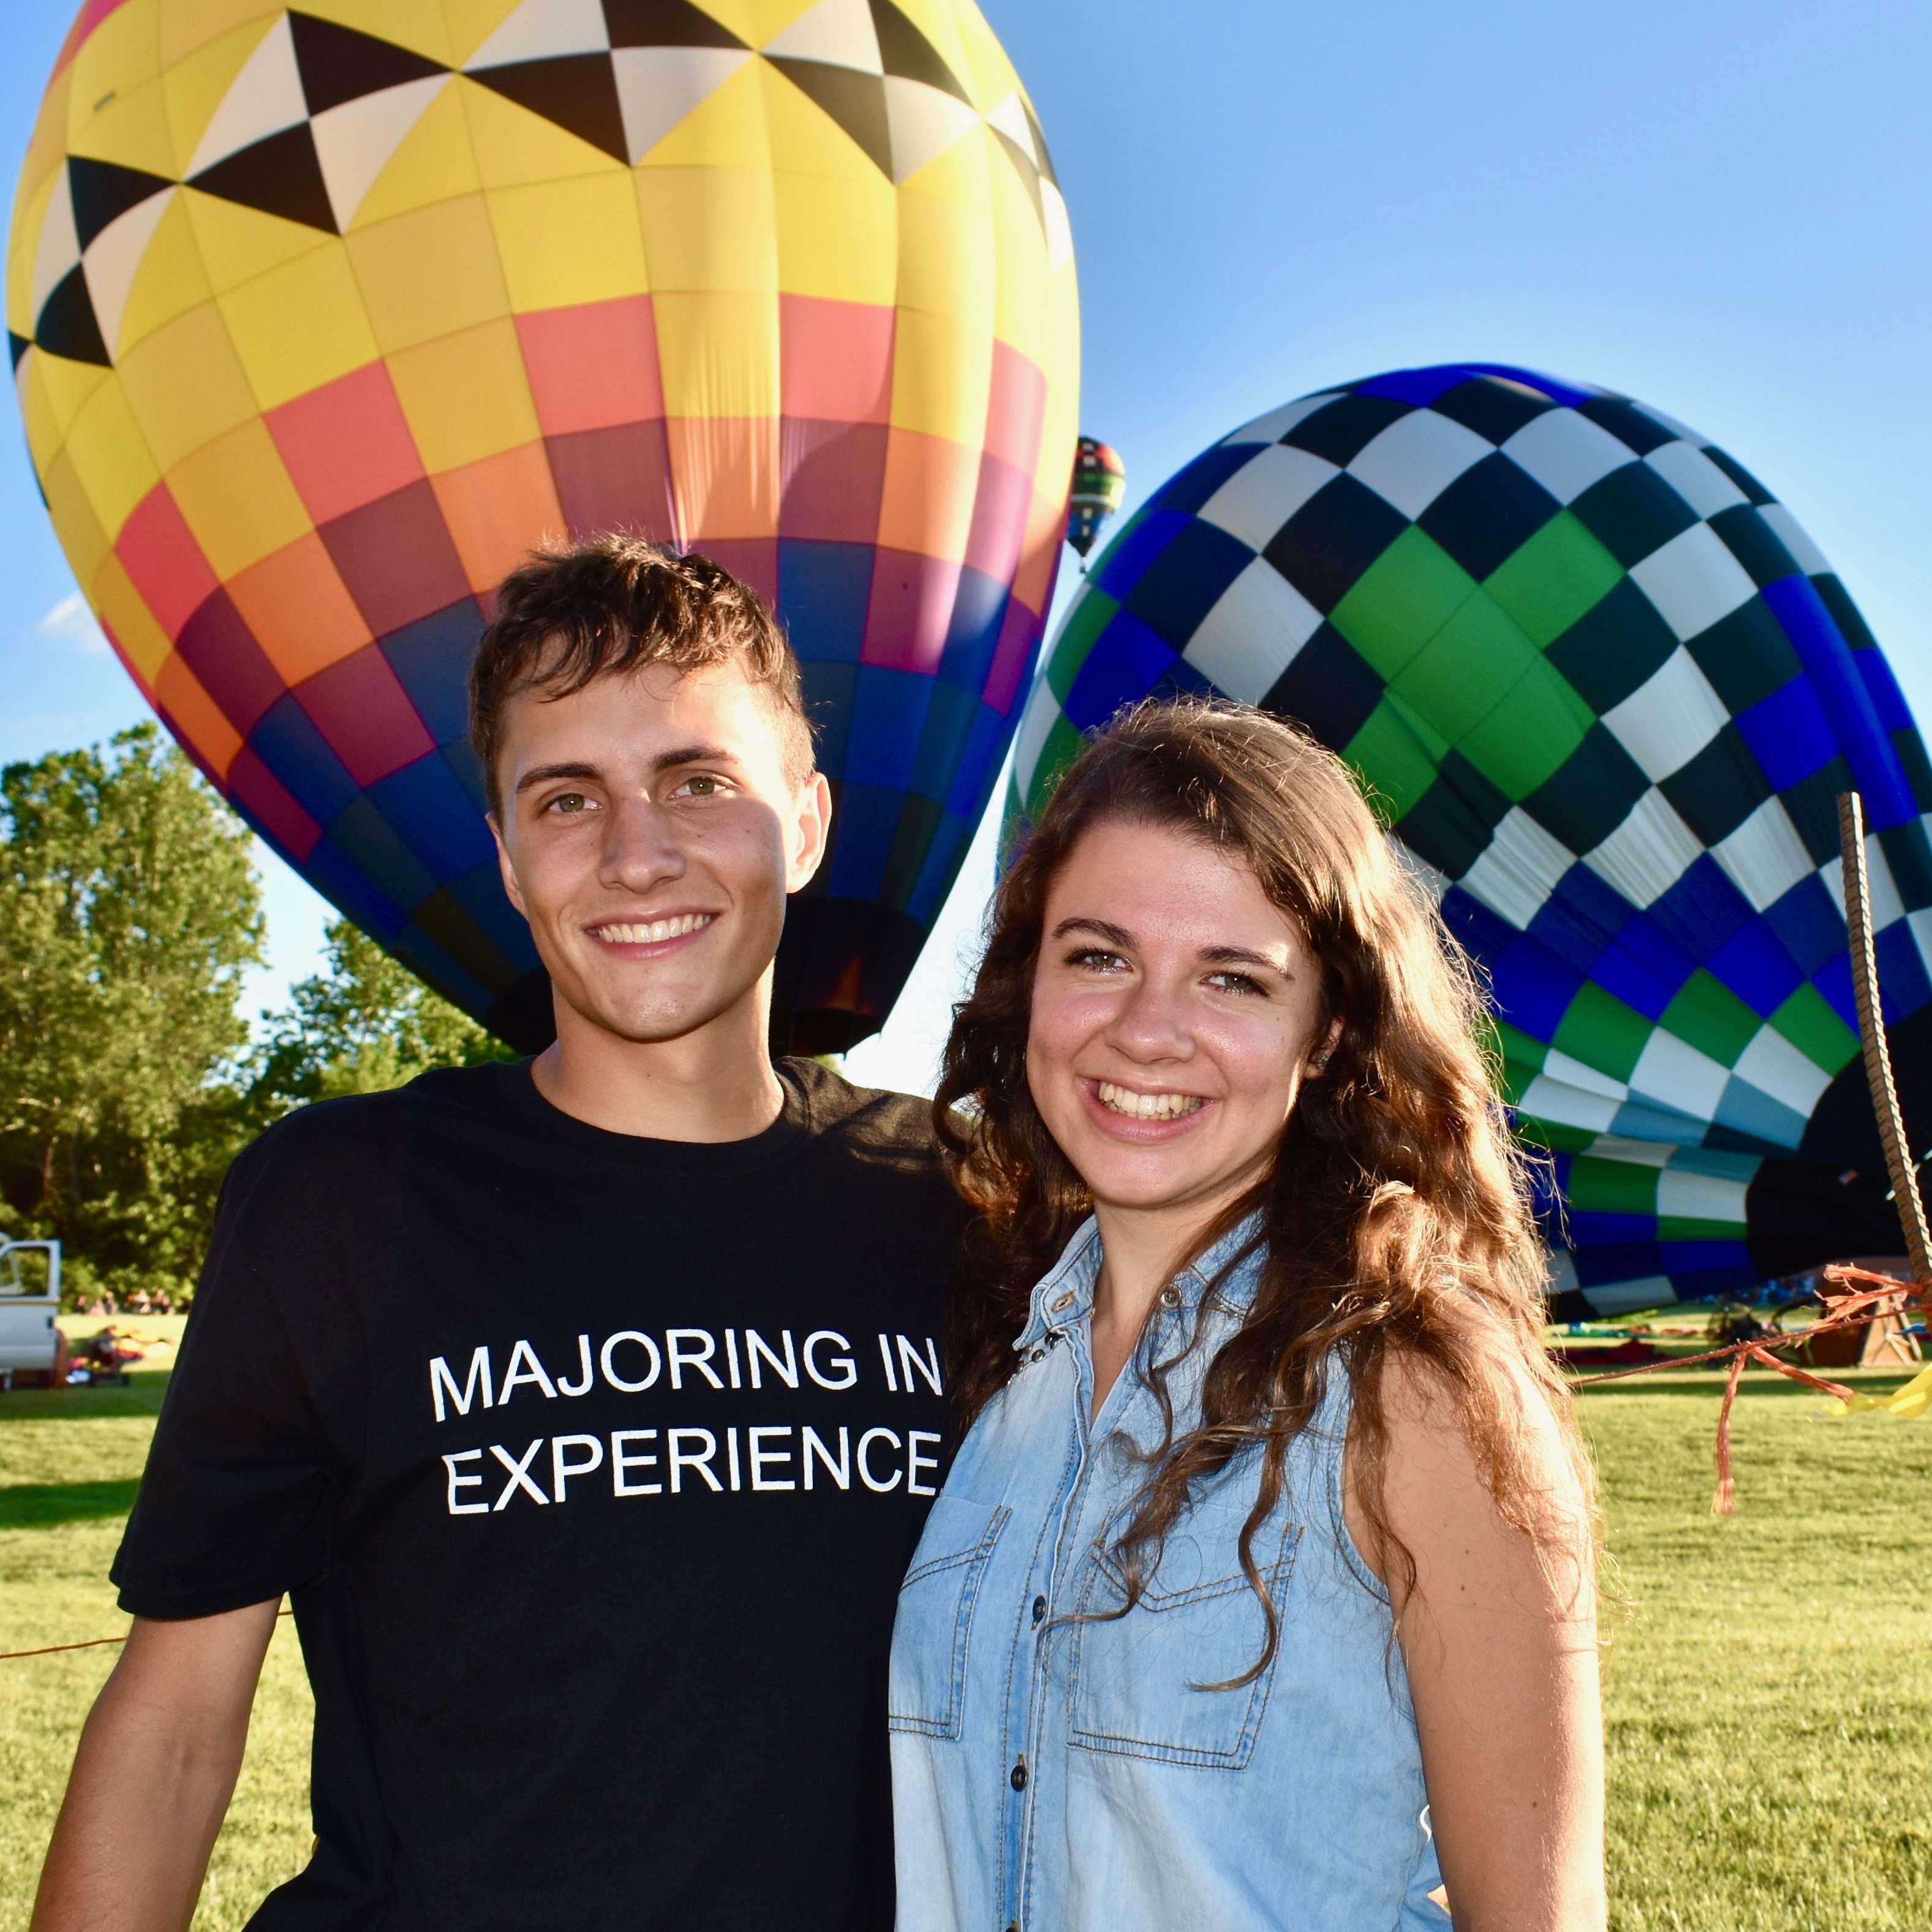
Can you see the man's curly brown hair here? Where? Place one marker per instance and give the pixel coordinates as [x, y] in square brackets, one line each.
[611, 603]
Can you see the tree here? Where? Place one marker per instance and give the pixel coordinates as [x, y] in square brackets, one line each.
[128, 913]
[365, 1024]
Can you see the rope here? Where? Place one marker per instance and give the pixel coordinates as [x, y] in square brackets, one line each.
[48, 1650]
[1850, 1307]
[88, 1643]
[1883, 1297]
[1871, 1036]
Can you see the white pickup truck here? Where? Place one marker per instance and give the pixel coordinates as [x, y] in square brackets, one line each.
[32, 1347]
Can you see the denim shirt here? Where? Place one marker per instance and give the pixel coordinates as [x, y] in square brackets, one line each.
[1057, 1770]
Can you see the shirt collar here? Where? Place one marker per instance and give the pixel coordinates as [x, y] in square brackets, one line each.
[1065, 1292]
[1230, 1268]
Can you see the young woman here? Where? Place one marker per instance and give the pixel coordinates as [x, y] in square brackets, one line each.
[1260, 1594]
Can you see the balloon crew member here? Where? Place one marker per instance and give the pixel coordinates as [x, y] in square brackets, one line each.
[586, 1408]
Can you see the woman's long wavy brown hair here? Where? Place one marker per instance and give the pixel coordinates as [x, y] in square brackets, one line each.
[1396, 1219]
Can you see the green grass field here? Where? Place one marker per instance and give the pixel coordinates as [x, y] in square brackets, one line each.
[1769, 1704]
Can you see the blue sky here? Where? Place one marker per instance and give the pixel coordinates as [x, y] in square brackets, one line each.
[1718, 207]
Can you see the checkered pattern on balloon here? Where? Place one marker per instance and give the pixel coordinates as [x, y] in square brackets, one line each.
[1606, 691]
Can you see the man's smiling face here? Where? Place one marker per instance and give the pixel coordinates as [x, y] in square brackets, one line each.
[650, 832]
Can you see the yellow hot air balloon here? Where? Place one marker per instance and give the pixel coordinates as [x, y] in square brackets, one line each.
[322, 315]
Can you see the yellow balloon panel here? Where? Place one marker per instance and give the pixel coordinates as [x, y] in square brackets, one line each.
[322, 315]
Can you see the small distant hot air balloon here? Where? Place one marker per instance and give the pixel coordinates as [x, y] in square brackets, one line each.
[1607, 690]
[1099, 482]
[321, 315]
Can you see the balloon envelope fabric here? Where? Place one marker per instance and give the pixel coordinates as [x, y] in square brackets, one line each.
[1606, 690]
[322, 316]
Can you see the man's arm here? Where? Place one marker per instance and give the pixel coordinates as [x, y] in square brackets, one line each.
[153, 1776]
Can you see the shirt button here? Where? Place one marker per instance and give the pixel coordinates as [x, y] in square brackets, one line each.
[1065, 1301]
[1018, 1779]
[1039, 1611]
[1170, 1297]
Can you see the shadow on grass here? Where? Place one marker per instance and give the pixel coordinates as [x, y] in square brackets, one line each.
[1709, 1383]
[44, 1505]
[141, 1396]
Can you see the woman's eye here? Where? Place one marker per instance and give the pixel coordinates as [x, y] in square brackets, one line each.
[1095, 961]
[1236, 982]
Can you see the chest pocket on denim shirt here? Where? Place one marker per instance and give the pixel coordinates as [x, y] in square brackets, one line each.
[927, 1685]
[1137, 1681]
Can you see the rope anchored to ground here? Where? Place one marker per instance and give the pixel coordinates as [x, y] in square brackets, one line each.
[1854, 1297]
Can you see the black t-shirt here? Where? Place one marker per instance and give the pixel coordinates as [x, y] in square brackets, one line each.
[591, 1465]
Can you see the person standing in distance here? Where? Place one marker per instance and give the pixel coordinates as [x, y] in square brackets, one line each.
[586, 1407]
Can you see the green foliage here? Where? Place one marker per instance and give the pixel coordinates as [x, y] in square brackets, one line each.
[128, 913]
[365, 1024]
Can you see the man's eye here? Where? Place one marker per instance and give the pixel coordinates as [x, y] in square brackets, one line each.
[700, 785]
[568, 803]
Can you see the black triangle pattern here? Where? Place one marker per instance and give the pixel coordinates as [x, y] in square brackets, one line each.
[67, 327]
[1029, 174]
[281, 175]
[1039, 147]
[337, 64]
[19, 345]
[906, 54]
[856, 100]
[664, 23]
[577, 92]
[103, 191]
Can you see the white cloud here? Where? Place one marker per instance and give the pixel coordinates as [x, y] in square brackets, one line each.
[71, 622]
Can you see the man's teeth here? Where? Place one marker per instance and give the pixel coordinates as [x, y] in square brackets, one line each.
[649, 932]
[1148, 1106]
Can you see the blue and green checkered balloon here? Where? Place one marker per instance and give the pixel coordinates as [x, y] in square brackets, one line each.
[1603, 686]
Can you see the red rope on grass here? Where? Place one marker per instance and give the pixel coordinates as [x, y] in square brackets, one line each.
[1725, 1500]
[1847, 1307]
[48, 1650]
[89, 1643]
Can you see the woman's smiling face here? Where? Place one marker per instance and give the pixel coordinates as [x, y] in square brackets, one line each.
[1176, 1011]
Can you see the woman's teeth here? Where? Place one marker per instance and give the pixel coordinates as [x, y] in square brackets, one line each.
[1147, 1106]
[650, 932]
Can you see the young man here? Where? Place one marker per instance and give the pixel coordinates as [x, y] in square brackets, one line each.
[586, 1409]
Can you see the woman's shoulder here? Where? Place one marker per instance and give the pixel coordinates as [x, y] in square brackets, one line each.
[1464, 1459]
